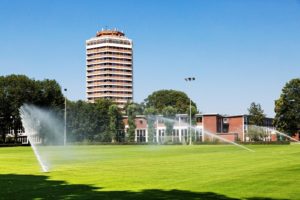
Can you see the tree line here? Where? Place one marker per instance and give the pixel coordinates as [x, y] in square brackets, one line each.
[94, 122]
[103, 120]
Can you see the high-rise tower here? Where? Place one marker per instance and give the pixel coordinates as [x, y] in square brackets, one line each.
[109, 67]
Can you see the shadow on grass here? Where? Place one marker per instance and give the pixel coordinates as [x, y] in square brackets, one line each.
[25, 187]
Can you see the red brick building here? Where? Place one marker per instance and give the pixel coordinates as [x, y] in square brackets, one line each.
[232, 127]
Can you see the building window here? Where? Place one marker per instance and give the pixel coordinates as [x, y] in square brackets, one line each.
[141, 135]
[184, 135]
[161, 136]
[184, 119]
[225, 128]
[199, 119]
[175, 135]
[198, 136]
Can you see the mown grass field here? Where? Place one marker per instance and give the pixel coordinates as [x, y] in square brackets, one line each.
[152, 172]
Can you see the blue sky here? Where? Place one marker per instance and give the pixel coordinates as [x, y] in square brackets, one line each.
[239, 51]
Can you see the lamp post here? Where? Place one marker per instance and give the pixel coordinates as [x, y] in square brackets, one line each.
[65, 128]
[189, 79]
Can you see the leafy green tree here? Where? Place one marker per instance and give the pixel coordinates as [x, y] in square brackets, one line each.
[151, 118]
[140, 107]
[256, 114]
[81, 122]
[102, 119]
[287, 108]
[116, 126]
[131, 113]
[4, 116]
[113, 120]
[169, 113]
[15, 90]
[163, 98]
[49, 94]
[90, 121]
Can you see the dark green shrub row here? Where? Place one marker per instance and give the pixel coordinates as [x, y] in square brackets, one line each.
[12, 145]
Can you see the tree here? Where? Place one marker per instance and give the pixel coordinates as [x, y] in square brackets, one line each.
[150, 113]
[81, 122]
[4, 116]
[131, 113]
[92, 121]
[15, 90]
[287, 108]
[163, 98]
[256, 114]
[139, 107]
[115, 123]
[49, 94]
[113, 119]
[169, 113]
[101, 107]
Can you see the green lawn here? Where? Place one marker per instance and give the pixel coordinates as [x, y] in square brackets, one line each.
[153, 172]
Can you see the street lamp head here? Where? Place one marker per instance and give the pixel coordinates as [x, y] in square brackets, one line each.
[190, 79]
[65, 89]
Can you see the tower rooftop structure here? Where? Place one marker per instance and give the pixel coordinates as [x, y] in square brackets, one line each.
[110, 33]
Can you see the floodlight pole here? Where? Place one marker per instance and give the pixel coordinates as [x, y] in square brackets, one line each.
[65, 128]
[190, 121]
[189, 79]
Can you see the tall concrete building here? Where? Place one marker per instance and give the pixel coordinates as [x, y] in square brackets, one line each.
[109, 67]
